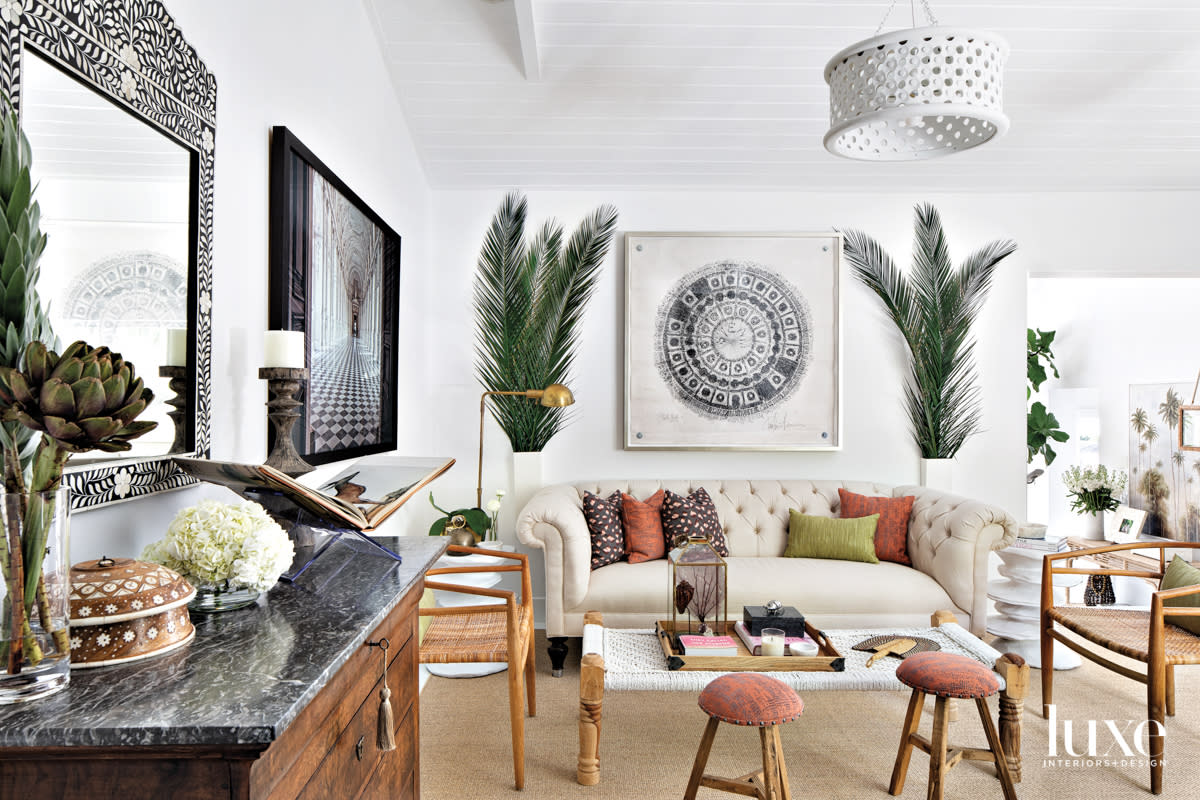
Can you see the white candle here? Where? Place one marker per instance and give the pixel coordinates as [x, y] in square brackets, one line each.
[176, 347]
[772, 642]
[283, 349]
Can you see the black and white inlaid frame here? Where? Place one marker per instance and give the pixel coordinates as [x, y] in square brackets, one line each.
[131, 52]
[290, 305]
[639, 335]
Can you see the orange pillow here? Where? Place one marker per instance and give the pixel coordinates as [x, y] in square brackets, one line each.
[891, 534]
[644, 540]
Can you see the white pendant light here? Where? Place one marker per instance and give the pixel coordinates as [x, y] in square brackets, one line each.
[916, 93]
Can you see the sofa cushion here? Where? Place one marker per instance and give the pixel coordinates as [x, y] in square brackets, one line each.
[644, 539]
[891, 534]
[694, 515]
[826, 537]
[828, 592]
[1179, 574]
[603, 517]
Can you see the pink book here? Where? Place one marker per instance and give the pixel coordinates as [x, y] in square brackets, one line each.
[754, 643]
[708, 645]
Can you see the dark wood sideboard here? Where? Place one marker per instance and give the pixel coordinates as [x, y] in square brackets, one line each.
[324, 746]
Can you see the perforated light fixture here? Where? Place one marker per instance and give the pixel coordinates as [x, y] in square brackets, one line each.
[916, 93]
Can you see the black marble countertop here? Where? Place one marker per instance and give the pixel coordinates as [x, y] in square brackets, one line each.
[246, 675]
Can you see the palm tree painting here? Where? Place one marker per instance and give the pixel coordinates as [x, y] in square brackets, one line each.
[1160, 484]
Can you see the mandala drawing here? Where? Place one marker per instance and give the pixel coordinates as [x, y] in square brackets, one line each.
[733, 339]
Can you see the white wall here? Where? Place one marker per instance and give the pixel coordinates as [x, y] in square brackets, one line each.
[1111, 333]
[293, 63]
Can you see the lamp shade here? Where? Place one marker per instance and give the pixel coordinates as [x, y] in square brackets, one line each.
[556, 396]
[916, 93]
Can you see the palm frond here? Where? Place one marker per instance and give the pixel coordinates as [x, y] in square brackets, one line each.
[934, 308]
[527, 319]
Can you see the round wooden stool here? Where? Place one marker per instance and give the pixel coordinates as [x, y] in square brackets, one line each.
[747, 698]
[947, 675]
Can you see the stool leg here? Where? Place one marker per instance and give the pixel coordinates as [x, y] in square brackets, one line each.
[706, 743]
[785, 789]
[912, 721]
[985, 716]
[775, 779]
[937, 751]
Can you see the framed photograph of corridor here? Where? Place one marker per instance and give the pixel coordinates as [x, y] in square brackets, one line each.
[335, 275]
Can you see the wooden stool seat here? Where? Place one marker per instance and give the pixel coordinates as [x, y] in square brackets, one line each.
[751, 699]
[946, 676]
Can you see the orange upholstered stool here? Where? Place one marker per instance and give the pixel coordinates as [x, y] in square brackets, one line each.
[947, 675]
[752, 699]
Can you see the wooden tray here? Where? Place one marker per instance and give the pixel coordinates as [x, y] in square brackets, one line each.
[827, 660]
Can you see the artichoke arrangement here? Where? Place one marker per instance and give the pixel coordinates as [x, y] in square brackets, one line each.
[88, 398]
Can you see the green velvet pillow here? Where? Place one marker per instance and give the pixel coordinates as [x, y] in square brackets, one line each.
[1179, 574]
[828, 537]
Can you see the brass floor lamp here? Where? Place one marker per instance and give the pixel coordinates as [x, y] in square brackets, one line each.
[553, 396]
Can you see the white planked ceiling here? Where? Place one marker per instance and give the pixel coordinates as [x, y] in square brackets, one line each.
[1102, 94]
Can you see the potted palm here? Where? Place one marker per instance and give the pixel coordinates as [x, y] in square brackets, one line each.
[530, 296]
[934, 307]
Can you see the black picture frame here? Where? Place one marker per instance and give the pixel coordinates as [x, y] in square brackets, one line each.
[338, 420]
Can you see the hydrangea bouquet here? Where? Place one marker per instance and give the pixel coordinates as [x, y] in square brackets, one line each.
[1094, 489]
[225, 546]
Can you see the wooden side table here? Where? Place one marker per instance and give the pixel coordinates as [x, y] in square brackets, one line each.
[483, 580]
[1017, 621]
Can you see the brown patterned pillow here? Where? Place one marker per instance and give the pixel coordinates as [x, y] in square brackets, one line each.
[694, 515]
[891, 534]
[604, 522]
[643, 527]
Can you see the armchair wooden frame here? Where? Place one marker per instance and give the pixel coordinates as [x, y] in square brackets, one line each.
[1142, 636]
[486, 633]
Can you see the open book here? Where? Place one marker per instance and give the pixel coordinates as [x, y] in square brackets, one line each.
[360, 497]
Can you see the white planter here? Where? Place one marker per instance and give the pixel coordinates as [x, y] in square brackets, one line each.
[938, 473]
[527, 479]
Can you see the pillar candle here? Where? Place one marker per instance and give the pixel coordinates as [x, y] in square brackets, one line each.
[772, 642]
[176, 347]
[283, 349]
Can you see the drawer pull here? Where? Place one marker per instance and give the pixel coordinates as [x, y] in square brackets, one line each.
[358, 748]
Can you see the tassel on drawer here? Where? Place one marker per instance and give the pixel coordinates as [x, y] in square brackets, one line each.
[386, 736]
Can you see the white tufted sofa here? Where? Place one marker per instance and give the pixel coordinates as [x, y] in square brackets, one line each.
[949, 538]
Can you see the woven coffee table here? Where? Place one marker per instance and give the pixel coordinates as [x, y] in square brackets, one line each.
[619, 659]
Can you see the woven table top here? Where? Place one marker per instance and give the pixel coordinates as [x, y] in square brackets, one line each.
[634, 660]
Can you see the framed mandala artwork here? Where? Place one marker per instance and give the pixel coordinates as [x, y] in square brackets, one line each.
[732, 341]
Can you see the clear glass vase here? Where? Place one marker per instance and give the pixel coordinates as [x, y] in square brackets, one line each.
[212, 599]
[35, 650]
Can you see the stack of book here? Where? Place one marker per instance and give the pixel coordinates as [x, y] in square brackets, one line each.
[1055, 545]
[795, 645]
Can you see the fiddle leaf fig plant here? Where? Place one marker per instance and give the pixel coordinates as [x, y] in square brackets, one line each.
[1042, 426]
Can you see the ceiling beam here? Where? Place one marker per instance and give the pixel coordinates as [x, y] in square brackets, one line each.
[528, 38]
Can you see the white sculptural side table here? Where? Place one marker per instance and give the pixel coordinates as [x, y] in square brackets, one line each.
[1018, 596]
[482, 580]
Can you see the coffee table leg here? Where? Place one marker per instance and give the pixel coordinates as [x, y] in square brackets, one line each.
[1012, 708]
[591, 699]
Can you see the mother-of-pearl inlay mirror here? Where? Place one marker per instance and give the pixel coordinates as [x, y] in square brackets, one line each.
[120, 113]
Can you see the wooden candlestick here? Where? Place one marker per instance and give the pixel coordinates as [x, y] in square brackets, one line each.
[179, 405]
[283, 411]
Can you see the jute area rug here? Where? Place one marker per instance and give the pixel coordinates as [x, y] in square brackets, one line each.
[842, 747]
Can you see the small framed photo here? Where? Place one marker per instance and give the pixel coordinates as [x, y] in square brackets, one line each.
[1124, 524]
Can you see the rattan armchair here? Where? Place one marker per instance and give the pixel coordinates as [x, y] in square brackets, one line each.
[500, 632]
[1146, 636]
